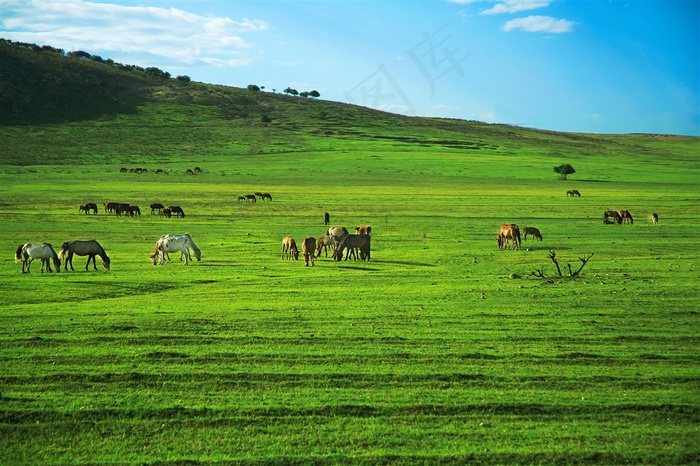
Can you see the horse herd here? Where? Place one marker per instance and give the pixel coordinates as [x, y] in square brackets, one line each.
[254, 197]
[337, 238]
[45, 252]
[129, 210]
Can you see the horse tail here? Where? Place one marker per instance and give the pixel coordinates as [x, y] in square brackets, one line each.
[63, 252]
[18, 252]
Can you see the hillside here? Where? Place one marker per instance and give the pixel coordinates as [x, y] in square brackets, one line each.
[57, 108]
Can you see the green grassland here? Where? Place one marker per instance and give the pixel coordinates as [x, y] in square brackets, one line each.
[429, 353]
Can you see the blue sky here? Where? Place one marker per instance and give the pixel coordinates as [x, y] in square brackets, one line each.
[587, 66]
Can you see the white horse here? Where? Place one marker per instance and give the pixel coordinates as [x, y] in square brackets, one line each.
[174, 243]
[28, 252]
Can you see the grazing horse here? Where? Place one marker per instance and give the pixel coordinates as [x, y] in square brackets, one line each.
[155, 207]
[654, 218]
[122, 209]
[326, 218]
[82, 208]
[250, 197]
[363, 230]
[177, 210]
[241, 198]
[91, 206]
[267, 196]
[532, 231]
[608, 214]
[164, 212]
[625, 216]
[509, 233]
[258, 194]
[134, 211]
[174, 243]
[189, 172]
[111, 206]
[289, 248]
[324, 242]
[352, 243]
[308, 247]
[197, 170]
[90, 248]
[573, 192]
[28, 252]
[337, 234]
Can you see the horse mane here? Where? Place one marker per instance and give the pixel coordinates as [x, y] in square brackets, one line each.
[18, 253]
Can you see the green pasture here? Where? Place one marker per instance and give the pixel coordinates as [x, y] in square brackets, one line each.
[430, 353]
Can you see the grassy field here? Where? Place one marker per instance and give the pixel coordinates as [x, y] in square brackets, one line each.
[430, 353]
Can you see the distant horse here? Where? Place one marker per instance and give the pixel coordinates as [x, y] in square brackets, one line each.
[258, 194]
[326, 218]
[91, 206]
[250, 197]
[28, 252]
[625, 216]
[82, 208]
[189, 172]
[111, 206]
[308, 247]
[532, 231]
[573, 192]
[353, 243]
[509, 236]
[241, 198]
[363, 230]
[134, 211]
[90, 248]
[324, 242]
[123, 209]
[164, 212]
[289, 248]
[177, 210]
[611, 214]
[197, 170]
[654, 218]
[267, 196]
[155, 207]
[175, 243]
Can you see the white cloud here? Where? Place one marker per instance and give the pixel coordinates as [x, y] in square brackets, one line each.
[515, 6]
[167, 33]
[488, 116]
[540, 24]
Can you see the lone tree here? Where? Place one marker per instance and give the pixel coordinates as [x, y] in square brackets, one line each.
[564, 169]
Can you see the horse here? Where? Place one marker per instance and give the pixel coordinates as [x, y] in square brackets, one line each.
[177, 210]
[155, 207]
[197, 170]
[164, 212]
[289, 248]
[28, 252]
[189, 172]
[654, 218]
[174, 243]
[326, 218]
[267, 196]
[82, 208]
[91, 206]
[352, 243]
[363, 230]
[337, 234]
[250, 197]
[573, 192]
[509, 232]
[111, 206]
[532, 231]
[308, 247]
[258, 194]
[241, 199]
[324, 242]
[90, 248]
[608, 214]
[625, 216]
[134, 211]
[123, 209]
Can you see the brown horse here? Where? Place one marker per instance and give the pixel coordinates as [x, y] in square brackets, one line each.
[324, 242]
[289, 248]
[250, 197]
[90, 248]
[266, 196]
[611, 214]
[308, 247]
[164, 212]
[326, 218]
[533, 232]
[155, 207]
[654, 218]
[363, 230]
[111, 206]
[509, 236]
[625, 216]
[177, 210]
